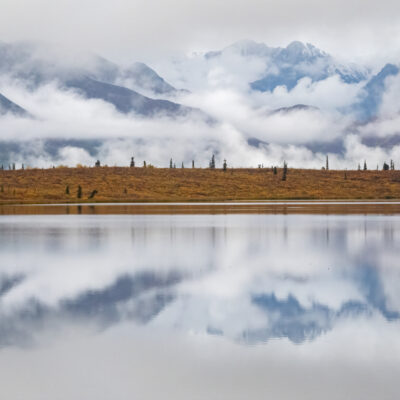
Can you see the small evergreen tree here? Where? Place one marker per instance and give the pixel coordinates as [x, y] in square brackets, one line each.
[97, 164]
[144, 164]
[192, 163]
[212, 162]
[327, 163]
[365, 165]
[224, 165]
[132, 162]
[284, 171]
[79, 193]
[275, 171]
[171, 165]
[385, 167]
[392, 165]
[67, 189]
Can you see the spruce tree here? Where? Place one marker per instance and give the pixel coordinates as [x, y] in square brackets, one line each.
[132, 162]
[79, 193]
[212, 162]
[170, 163]
[144, 164]
[192, 163]
[225, 165]
[327, 163]
[67, 189]
[365, 165]
[284, 171]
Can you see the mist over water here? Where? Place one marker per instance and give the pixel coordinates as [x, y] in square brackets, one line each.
[199, 306]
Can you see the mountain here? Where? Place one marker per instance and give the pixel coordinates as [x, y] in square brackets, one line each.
[141, 77]
[296, 107]
[126, 100]
[373, 92]
[37, 65]
[7, 106]
[91, 75]
[286, 66]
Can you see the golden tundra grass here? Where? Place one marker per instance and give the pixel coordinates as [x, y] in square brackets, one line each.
[119, 184]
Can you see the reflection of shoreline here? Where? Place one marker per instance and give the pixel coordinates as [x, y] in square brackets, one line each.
[290, 207]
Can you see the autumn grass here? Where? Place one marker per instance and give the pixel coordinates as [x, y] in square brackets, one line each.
[119, 184]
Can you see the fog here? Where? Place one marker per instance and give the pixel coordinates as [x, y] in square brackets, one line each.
[61, 114]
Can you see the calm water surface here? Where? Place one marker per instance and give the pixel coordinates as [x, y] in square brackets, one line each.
[224, 305]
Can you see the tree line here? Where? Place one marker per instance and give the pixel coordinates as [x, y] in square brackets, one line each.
[212, 165]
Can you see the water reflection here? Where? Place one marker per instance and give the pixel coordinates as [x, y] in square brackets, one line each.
[247, 278]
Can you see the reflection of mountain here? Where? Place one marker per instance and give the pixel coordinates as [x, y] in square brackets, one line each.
[287, 276]
[139, 298]
[8, 282]
[147, 289]
[288, 318]
[370, 282]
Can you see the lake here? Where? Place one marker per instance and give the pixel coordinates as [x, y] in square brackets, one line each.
[199, 301]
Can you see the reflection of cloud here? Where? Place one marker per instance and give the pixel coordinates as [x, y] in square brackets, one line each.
[249, 278]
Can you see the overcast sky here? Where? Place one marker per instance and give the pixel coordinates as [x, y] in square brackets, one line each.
[147, 29]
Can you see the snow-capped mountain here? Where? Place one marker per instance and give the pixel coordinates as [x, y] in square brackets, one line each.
[7, 106]
[260, 95]
[373, 91]
[91, 76]
[126, 100]
[286, 66]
